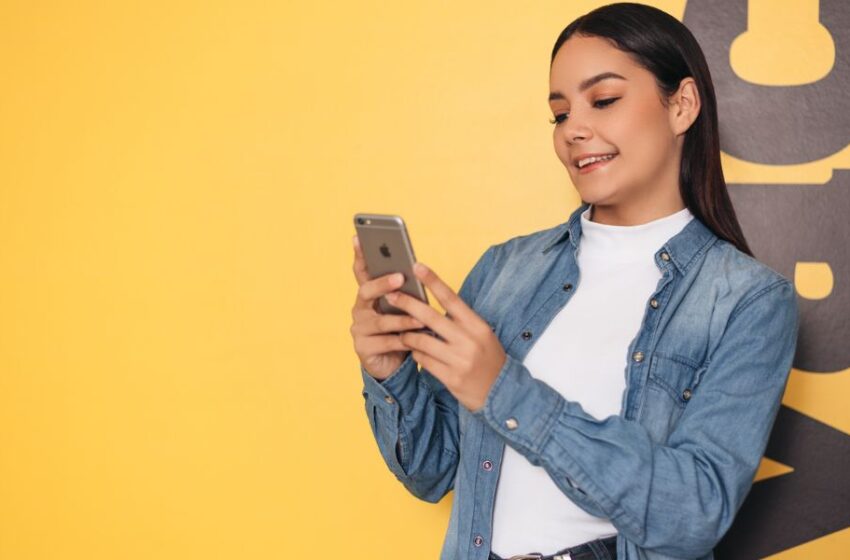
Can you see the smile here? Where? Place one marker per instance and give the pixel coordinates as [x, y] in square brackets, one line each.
[596, 164]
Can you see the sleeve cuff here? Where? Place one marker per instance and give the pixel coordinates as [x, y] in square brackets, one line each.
[398, 389]
[521, 409]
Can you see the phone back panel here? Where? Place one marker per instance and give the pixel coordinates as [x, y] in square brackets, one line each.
[386, 249]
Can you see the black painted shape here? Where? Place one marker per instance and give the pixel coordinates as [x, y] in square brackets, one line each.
[775, 124]
[784, 224]
[809, 503]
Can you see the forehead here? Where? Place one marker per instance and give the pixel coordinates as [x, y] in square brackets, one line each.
[580, 58]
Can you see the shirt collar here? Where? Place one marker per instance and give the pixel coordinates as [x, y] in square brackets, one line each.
[571, 229]
[682, 248]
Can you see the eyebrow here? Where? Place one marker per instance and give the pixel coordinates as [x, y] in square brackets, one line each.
[588, 83]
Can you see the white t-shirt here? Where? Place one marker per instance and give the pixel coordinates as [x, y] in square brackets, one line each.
[582, 355]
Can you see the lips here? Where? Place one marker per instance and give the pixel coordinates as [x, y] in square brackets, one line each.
[595, 165]
[581, 157]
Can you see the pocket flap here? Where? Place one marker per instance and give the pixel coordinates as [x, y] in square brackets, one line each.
[676, 375]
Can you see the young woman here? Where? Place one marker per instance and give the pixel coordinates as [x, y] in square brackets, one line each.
[604, 388]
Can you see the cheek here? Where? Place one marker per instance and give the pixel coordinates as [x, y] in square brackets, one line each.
[644, 138]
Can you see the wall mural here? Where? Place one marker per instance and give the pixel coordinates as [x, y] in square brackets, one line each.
[794, 228]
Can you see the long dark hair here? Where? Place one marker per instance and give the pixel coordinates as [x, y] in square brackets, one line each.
[664, 46]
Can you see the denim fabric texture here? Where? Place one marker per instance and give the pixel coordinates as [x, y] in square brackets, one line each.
[705, 375]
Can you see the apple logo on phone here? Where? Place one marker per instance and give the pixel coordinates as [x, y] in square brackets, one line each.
[385, 251]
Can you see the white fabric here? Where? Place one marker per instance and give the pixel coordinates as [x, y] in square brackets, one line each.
[582, 355]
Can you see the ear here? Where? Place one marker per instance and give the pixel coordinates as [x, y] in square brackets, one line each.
[684, 106]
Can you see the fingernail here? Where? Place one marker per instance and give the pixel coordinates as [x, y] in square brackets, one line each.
[355, 241]
[420, 268]
[397, 279]
[392, 296]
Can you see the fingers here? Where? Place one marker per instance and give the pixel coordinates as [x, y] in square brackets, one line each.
[360, 271]
[373, 289]
[425, 343]
[370, 324]
[377, 345]
[451, 302]
[425, 348]
[439, 323]
[377, 335]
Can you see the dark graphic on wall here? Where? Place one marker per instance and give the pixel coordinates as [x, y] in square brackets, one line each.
[786, 224]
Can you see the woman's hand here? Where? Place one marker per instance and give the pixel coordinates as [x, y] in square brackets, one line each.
[470, 356]
[375, 334]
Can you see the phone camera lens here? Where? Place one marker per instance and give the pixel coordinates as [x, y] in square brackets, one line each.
[360, 221]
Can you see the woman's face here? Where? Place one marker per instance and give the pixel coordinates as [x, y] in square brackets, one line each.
[615, 115]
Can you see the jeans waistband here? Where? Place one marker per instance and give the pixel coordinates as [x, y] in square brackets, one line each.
[598, 549]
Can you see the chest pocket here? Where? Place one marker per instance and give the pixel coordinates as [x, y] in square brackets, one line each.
[673, 381]
[679, 377]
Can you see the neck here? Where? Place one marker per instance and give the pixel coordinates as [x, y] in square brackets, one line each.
[620, 216]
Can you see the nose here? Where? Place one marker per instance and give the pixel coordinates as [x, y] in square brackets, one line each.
[575, 129]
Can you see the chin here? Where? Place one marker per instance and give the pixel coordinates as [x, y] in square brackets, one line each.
[595, 198]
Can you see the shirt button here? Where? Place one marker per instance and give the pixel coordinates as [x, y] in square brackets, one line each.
[665, 257]
[389, 399]
[686, 394]
[654, 303]
[477, 541]
[511, 423]
[568, 287]
[526, 335]
[637, 356]
[488, 466]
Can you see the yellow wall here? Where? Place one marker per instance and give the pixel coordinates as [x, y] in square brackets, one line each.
[177, 181]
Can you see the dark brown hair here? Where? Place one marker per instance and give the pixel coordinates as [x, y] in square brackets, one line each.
[666, 47]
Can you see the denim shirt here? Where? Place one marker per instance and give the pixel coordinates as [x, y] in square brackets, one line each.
[705, 375]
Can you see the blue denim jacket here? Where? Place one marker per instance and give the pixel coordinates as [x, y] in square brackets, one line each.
[705, 375]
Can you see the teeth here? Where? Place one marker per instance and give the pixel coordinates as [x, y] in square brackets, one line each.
[587, 161]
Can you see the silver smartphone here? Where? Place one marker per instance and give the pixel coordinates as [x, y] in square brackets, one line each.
[386, 249]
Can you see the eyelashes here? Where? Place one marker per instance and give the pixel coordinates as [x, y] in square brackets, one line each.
[601, 103]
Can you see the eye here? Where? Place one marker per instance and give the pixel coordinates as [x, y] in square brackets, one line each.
[600, 104]
[605, 102]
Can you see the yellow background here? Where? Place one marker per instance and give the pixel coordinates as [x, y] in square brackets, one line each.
[177, 181]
